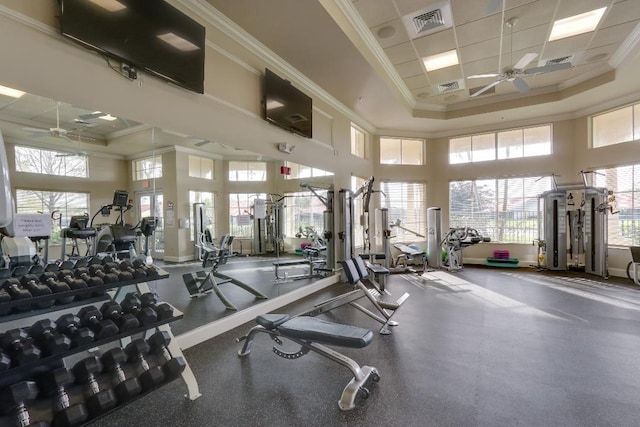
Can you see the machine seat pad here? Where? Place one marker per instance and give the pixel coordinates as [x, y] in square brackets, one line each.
[408, 249]
[317, 330]
[377, 268]
[271, 321]
[81, 233]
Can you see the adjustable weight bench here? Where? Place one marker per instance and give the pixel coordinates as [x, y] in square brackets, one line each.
[312, 334]
[356, 271]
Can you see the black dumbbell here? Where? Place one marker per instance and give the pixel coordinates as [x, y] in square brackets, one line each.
[67, 265]
[69, 324]
[81, 262]
[5, 298]
[123, 276]
[91, 280]
[98, 271]
[173, 366]
[163, 310]
[97, 401]
[125, 321]
[137, 273]
[12, 286]
[5, 361]
[125, 388]
[31, 283]
[75, 284]
[150, 270]
[54, 383]
[47, 337]
[15, 399]
[145, 315]
[91, 317]
[20, 348]
[50, 279]
[150, 376]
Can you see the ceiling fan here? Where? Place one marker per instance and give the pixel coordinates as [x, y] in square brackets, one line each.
[56, 132]
[517, 71]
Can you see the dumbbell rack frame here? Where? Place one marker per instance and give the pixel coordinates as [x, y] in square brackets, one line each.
[20, 373]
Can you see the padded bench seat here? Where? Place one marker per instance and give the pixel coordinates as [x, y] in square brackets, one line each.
[317, 330]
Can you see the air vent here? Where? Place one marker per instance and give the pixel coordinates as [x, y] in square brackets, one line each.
[82, 123]
[450, 86]
[432, 19]
[487, 92]
[560, 60]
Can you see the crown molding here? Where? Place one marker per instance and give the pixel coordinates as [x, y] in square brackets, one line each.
[626, 50]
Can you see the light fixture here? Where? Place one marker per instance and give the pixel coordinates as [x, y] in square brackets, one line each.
[108, 117]
[441, 60]
[7, 91]
[577, 24]
[110, 5]
[178, 42]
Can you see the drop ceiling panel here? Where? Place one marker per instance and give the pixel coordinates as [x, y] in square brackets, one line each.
[477, 51]
[566, 46]
[401, 53]
[532, 14]
[445, 75]
[621, 12]
[416, 82]
[406, 7]
[375, 12]
[569, 8]
[400, 35]
[481, 29]
[483, 66]
[528, 39]
[439, 42]
[409, 69]
[616, 34]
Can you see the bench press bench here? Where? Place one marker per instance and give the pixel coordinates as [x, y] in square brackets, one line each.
[314, 334]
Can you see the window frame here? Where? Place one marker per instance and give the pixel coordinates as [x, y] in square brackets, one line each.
[153, 172]
[247, 171]
[193, 158]
[52, 154]
[402, 141]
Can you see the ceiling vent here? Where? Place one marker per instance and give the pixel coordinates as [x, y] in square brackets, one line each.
[476, 89]
[429, 20]
[560, 60]
[572, 59]
[83, 123]
[450, 86]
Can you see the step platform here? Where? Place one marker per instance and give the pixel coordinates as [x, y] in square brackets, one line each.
[502, 262]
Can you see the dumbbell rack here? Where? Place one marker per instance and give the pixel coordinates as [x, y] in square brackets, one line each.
[32, 369]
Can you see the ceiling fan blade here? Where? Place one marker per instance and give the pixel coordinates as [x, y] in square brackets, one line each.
[201, 143]
[521, 85]
[549, 68]
[37, 130]
[525, 60]
[492, 6]
[486, 88]
[483, 76]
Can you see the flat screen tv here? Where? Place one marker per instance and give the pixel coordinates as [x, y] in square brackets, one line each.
[286, 106]
[150, 35]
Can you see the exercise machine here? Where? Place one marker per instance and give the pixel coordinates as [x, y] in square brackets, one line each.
[313, 334]
[455, 241]
[383, 245]
[434, 237]
[347, 218]
[78, 231]
[572, 223]
[202, 283]
[118, 239]
[357, 273]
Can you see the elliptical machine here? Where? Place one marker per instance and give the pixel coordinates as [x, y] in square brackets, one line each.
[117, 239]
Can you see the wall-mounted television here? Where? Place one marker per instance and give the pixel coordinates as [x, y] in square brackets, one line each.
[286, 106]
[150, 35]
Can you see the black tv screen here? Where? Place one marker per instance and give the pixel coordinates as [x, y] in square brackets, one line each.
[150, 35]
[286, 106]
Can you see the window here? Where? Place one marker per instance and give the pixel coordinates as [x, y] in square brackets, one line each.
[247, 171]
[510, 144]
[615, 127]
[48, 162]
[624, 181]
[200, 167]
[399, 151]
[65, 205]
[406, 203]
[357, 142]
[304, 212]
[504, 209]
[147, 168]
[208, 199]
[240, 212]
[302, 171]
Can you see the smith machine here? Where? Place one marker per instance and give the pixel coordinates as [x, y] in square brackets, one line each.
[572, 227]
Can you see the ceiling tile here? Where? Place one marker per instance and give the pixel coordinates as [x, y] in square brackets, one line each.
[621, 12]
[406, 7]
[526, 39]
[380, 32]
[616, 34]
[481, 50]
[439, 42]
[569, 8]
[478, 30]
[409, 69]
[376, 12]
[599, 54]
[445, 75]
[566, 46]
[532, 14]
[416, 82]
[401, 53]
[483, 66]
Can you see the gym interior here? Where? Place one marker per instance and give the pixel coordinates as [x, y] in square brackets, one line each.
[472, 264]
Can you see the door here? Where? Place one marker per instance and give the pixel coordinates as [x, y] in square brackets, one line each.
[151, 204]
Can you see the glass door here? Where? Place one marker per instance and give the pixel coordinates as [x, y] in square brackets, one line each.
[151, 204]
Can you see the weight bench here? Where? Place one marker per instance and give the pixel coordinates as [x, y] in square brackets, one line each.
[356, 271]
[313, 265]
[377, 270]
[312, 335]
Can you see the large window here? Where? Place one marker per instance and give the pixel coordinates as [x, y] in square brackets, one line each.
[247, 171]
[302, 171]
[304, 213]
[357, 141]
[401, 151]
[62, 205]
[49, 162]
[241, 212]
[405, 202]
[624, 181]
[615, 127]
[147, 168]
[509, 144]
[506, 210]
[200, 167]
[208, 199]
